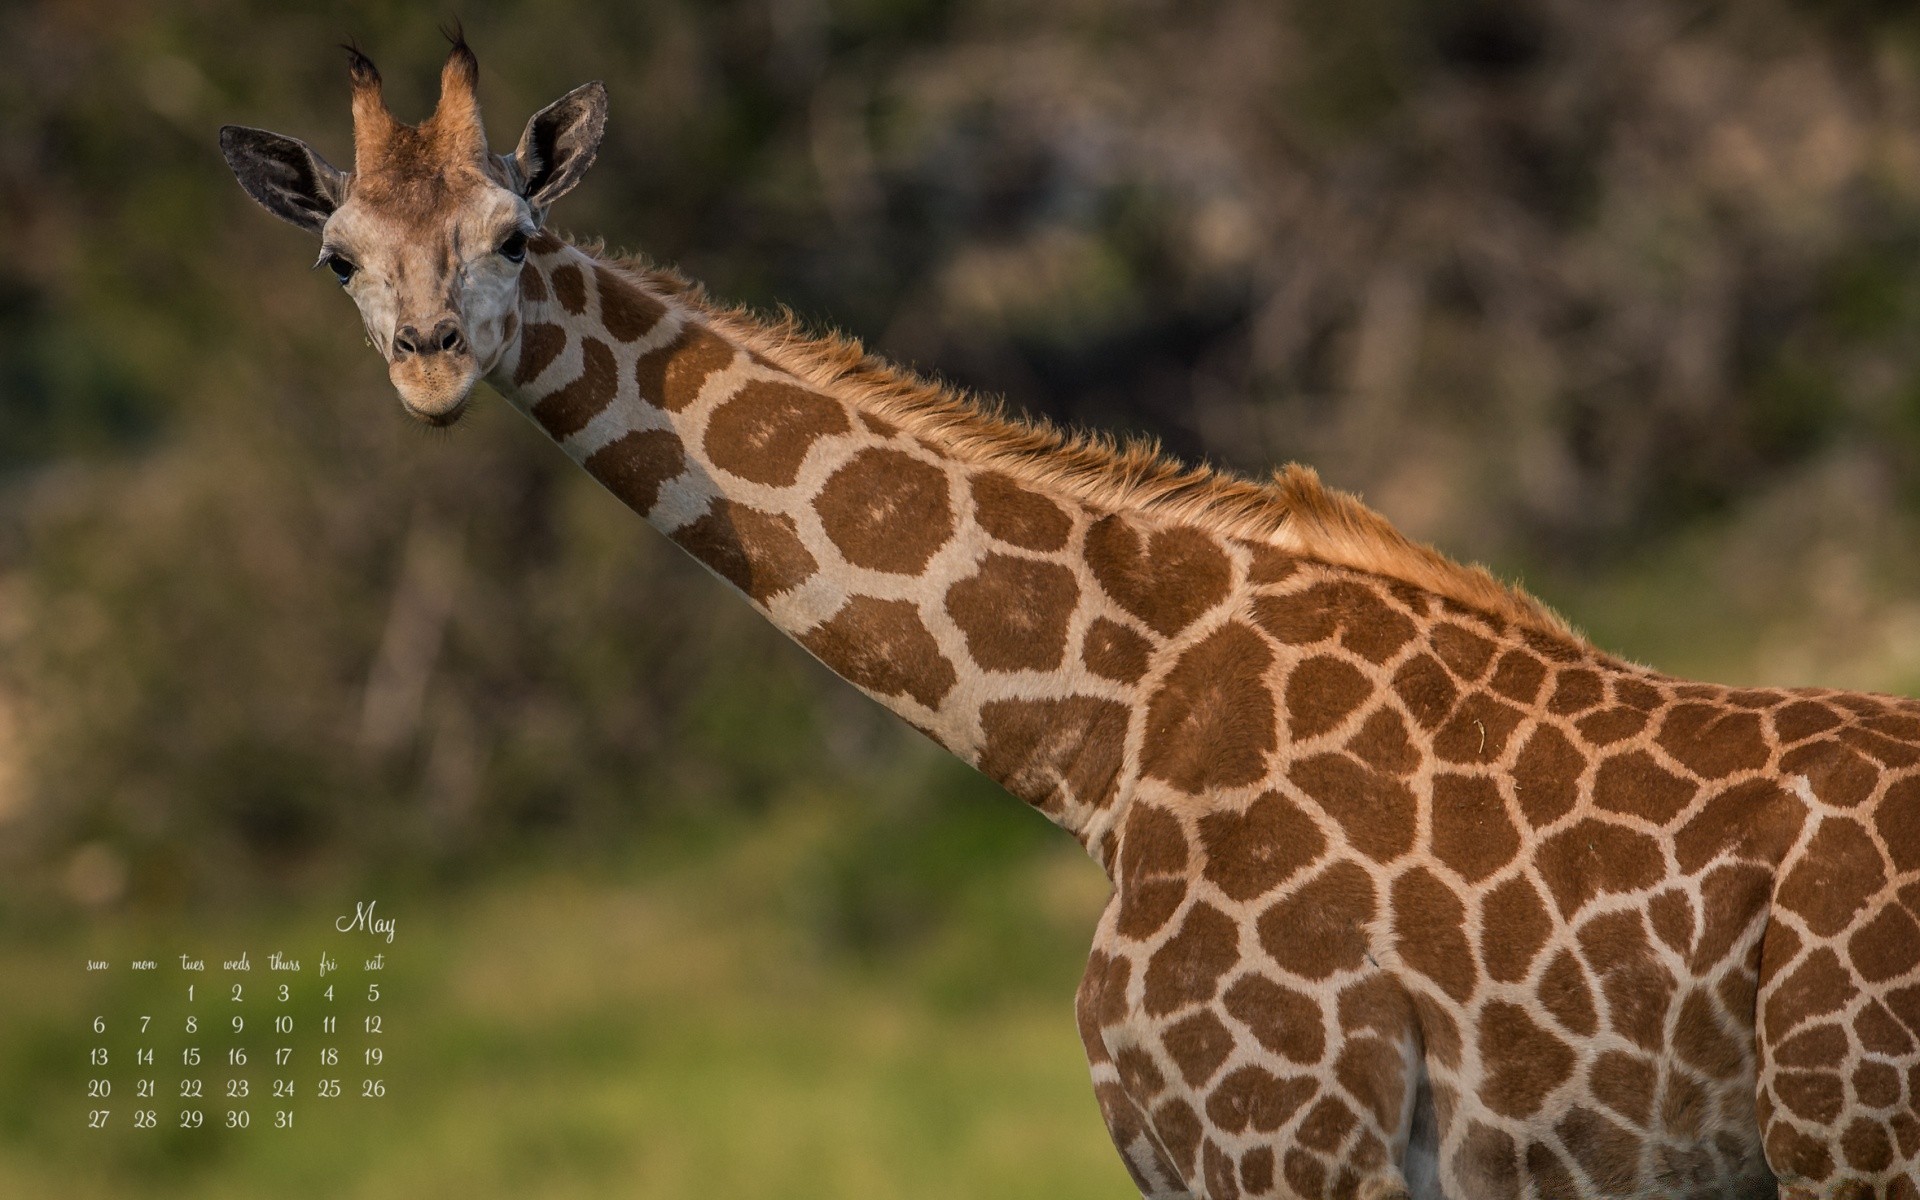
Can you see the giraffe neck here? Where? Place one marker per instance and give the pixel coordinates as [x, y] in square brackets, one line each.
[952, 594]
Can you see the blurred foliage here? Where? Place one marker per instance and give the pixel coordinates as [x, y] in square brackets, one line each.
[1621, 297]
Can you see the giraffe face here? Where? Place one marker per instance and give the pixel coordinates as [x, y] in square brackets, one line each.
[428, 232]
[438, 289]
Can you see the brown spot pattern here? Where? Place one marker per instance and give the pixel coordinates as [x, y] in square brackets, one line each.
[635, 465]
[1166, 578]
[887, 511]
[883, 646]
[626, 311]
[763, 431]
[1017, 515]
[1211, 723]
[1014, 613]
[1050, 751]
[672, 376]
[760, 553]
[1113, 651]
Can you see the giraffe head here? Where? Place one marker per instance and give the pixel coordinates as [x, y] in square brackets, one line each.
[427, 233]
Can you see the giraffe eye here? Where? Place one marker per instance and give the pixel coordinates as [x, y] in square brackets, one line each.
[342, 269]
[514, 249]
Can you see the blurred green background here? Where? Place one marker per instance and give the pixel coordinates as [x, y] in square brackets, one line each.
[1621, 299]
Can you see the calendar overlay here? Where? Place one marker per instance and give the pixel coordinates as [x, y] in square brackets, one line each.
[265, 1038]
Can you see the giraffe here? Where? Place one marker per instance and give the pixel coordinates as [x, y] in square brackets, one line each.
[1415, 892]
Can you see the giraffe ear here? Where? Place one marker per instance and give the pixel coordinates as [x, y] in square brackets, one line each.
[284, 175]
[559, 145]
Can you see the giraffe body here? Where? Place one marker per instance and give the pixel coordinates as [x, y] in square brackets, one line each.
[1415, 893]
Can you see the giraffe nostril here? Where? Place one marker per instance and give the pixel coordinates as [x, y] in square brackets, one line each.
[406, 340]
[447, 338]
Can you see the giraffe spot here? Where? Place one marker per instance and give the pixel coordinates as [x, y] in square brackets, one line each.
[1835, 876]
[1285, 1021]
[1684, 1106]
[1837, 775]
[1053, 752]
[1138, 1073]
[1472, 832]
[1426, 689]
[1609, 1154]
[763, 431]
[1866, 1146]
[1267, 564]
[1477, 731]
[1110, 991]
[540, 344]
[1383, 743]
[1178, 1127]
[1881, 1033]
[1519, 676]
[1755, 820]
[1575, 690]
[570, 288]
[1898, 819]
[1153, 870]
[1250, 1098]
[1167, 579]
[1672, 915]
[1639, 990]
[1624, 1083]
[1887, 946]
[1222, 1181]
[1791, 1152]
[544, 242]
[1304, 1173]
[1014, 613]
[1197, 1044]
[1514, 926]
[1321, 691]
[1464, 652]
[1523, 1061]
[1610, 725]
[1366, 623]
[1882, 750]
[1564, 993]
[1376, 812]
[887, 511]
[1256, 1170]
[1818, 986]
[567, 411]
[1712, 742]
[1251, 853]
[1876, 1085]
[1802, 719]
[1320, 928]
[1702, 1042]
[1431, 934]
[758, 552]
[1550, 1173]
[634, 466]
[533, 286]
[1732, 897]
[1637, 693]
[884, 647]
[1377, 1003]
[1088, 1001]
[1816, 1096]
[1211, 724]
[1594, 857]
[672, 376]
[1018, 516]
[1374, 1073]
[1188, 966]
[626, 311]
[1326, 1125]
[1487, 1163]
[1113, 651]
[1634, 784]
[1546, 776]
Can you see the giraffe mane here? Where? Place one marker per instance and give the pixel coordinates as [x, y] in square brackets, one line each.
[1293, 511]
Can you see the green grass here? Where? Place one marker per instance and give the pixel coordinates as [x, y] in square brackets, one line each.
[652, 1029]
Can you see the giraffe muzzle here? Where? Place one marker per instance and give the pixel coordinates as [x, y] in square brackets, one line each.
[434, 371]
